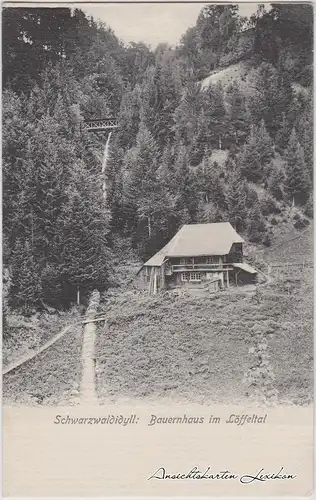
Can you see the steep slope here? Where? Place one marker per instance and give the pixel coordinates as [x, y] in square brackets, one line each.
[238, 72]
[197, 347]
[291, 245]
[241, 73]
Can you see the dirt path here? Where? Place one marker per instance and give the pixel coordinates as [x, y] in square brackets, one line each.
[87, 389]
[87, 385]
[88, 394]
[27, 357]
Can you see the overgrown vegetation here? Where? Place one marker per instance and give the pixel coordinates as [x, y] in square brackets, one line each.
[222, 348]
[60, 68]
[53, 377]
[23, 335]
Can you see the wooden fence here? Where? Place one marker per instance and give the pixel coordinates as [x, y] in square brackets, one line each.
[289, 266]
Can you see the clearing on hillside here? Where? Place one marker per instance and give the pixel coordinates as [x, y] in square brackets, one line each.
[196, 348]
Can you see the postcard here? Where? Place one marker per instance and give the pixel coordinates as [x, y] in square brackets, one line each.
[157, 167]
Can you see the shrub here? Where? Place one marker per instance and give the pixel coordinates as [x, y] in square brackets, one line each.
[252, 197]
[266, 240]
[306, 76]
[51, 286]
[269, 205]
[278, 150]
[260, 377]
[256, 227]
[309, 207]
[275, 183]
[209, 213]
[299, 221]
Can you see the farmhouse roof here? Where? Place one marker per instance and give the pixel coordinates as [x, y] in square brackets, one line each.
[245, 267]
[194, 240]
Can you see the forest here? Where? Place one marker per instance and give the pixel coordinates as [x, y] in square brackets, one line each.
[61, 68]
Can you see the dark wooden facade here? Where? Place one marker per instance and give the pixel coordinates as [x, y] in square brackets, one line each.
[213, 272]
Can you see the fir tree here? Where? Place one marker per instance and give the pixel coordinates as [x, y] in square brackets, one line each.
[26, 289]
[236, 199]
[284, 132]
[309, 207]
[188, 114]
[115, 191]
[84, 256]
[187, 202]
[276, 183]
[166, 170]
[149, 102]
[215, 114]
[138, 58]
[146, 191]
[271, 96]
[265, 145]
[129, 118]
[297, 183]
[256, 154]
[159, 172]
[250, 161]
[168, 82]
[141, 163]
[256, 228]
[209, 183]
[238, 118]
[304, 128]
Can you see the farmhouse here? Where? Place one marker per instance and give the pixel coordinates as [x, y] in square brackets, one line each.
[209, 255]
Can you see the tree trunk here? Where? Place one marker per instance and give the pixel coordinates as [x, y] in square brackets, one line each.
[149, 226]
[32, 229]
[78, 296]
[220, 142]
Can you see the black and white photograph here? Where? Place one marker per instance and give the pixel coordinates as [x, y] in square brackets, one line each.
[157, 172]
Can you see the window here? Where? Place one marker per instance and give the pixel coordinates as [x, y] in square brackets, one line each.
[200, 260]
[195, 276]
[184, 277]
[213, 259]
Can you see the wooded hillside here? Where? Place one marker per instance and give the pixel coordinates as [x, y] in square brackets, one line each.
[61, 68]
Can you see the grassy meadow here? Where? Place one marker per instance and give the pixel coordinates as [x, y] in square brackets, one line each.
[196, 348]
[52, 377]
